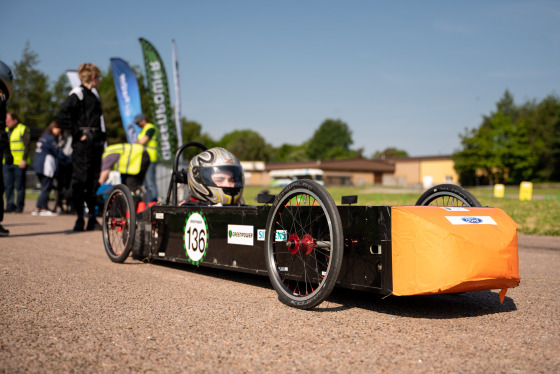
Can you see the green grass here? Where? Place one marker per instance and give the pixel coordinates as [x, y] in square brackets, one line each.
[540, 216]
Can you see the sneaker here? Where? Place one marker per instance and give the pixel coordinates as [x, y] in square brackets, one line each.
[79, 225]
[47, 213]
[3, 231]
[35, 212]
[93, 225]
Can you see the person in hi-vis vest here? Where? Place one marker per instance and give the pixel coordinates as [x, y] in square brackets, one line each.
[14, 175]
[131, 160]
[148, 138]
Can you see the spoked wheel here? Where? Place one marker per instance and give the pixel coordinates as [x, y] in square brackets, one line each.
[119, 223]
[448, 195]
[304, 244]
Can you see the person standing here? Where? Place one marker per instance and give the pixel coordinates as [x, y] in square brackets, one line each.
[81, 115]
[14, 175]
[47, 155]
[6, 85]
[148, 138]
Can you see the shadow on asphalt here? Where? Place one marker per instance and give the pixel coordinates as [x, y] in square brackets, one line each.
[66, 232]
[445, 306]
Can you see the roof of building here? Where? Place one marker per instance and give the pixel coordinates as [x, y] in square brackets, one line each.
[419, 158]
[355, 165]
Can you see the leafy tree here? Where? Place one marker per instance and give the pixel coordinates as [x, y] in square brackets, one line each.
[60, 91]
[331, 140]
[290, 153]
[192, 132]
[512, 144]
[31, 99]
[390, 152]
[247, 145]
[543, 122]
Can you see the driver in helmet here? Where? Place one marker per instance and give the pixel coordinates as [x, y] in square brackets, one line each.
[216, 177]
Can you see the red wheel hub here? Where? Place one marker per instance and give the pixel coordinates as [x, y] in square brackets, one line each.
[307, 244]
[293, 244]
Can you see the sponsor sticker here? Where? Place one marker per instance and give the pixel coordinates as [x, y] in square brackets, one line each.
[280, 236]
[195, 237]
[454, 209]
[240, 234]
[471, 220]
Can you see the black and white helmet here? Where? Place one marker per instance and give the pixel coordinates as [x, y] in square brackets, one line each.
[216, 175]
[6, 80]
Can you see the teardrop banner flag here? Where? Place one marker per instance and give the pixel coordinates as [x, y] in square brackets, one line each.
[160, 103]
[128, 96]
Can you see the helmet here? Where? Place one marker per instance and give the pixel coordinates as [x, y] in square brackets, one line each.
[6, 78]
[216, 175]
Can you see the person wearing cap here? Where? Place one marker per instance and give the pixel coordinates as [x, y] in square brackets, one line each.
[148, 138]
[6, 86]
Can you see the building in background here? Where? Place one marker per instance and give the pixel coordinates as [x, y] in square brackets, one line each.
[412, 172]
[422, 172]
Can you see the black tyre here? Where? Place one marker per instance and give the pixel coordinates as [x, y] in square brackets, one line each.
[304, 244]
[119, 223]
[448, 195]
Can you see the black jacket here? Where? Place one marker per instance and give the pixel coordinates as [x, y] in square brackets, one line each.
[80, 110]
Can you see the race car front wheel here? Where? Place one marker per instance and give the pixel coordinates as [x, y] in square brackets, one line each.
[448, 195]
[119, 223]
[304, 244]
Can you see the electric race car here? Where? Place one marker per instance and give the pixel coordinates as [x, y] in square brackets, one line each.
[307, 245]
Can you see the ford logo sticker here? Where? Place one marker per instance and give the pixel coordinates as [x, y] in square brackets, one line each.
[472, 219]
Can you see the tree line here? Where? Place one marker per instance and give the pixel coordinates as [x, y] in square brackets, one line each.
[514, 143]
[36, 101]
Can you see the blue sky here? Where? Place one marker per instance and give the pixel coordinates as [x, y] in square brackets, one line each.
[408, 74]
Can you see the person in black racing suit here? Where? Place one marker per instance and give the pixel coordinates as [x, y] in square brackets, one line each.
[81, 115]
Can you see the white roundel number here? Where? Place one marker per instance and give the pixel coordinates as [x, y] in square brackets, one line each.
[196, 237]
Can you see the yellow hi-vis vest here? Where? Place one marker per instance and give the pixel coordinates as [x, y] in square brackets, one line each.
[151, 145]
[130, 160]
[16, 143]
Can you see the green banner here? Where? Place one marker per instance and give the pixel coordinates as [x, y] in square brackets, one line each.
[160, 103]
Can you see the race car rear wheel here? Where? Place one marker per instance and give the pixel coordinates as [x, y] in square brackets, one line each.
[448, 195]
[304, 244]
[119, 223]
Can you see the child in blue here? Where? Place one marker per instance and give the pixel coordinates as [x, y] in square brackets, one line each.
[47, 155]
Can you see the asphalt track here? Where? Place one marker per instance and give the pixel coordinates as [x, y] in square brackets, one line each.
[66, 308]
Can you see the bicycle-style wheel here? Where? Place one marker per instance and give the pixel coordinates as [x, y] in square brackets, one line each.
[304, 244]
[119, 223]
[448, 195]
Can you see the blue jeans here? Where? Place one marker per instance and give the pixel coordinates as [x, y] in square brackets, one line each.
[46, 187]
[150, 183]
[14, 177]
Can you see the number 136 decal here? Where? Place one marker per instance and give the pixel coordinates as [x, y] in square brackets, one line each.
[196, 238]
